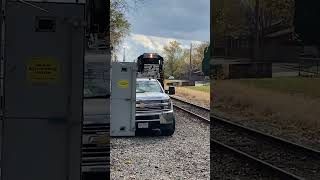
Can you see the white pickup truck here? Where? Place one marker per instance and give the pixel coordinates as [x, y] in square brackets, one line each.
[154, 109]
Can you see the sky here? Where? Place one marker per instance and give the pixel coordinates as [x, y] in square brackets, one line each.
[157, 22]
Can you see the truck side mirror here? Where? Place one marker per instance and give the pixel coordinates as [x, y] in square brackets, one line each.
[172, 90]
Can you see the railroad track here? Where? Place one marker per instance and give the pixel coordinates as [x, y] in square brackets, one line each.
[288, 160]
[302, 69]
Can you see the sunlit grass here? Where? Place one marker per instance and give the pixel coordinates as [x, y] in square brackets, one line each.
[205, 89]
[288, 101]
[198, 96]
[292, 85]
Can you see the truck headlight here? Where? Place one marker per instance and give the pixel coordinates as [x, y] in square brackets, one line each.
[138, 104]
[167, 104]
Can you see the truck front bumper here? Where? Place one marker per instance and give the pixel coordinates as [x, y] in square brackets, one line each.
[163, 120]
[166, 117]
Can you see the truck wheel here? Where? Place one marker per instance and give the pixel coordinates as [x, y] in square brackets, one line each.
[169, 131]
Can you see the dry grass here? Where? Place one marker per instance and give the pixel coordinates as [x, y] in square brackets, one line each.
[285, 107]
[205, 89]
[287, 110]
[198, 96]
[294, 85]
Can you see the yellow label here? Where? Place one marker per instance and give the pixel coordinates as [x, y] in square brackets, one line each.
[123, 84]
[43, 70]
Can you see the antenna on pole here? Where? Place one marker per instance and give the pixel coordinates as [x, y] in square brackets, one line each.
[190, 65]
[124, 52]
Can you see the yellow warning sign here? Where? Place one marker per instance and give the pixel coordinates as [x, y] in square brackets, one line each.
[43, 70]
[123, 84]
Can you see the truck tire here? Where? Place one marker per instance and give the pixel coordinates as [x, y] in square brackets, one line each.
[170, 131]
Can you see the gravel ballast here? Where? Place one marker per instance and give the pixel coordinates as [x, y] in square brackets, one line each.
[199, 111]
[185, 155]
[225, 165]
[289, 159]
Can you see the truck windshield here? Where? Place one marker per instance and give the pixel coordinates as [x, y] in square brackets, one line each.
[148, 86]
[95, 89]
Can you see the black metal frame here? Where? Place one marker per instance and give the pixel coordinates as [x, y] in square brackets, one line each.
[141, 61]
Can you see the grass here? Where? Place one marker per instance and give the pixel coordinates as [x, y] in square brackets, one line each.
[205, 89]
[287, 102]
[290, 103]
[291, 85]
[198, 95]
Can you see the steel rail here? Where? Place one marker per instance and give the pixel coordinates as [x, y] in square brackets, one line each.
[258, 134]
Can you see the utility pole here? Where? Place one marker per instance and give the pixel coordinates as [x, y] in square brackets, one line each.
[124, 54]
[115, 58]
[190, 65]
[256, 40]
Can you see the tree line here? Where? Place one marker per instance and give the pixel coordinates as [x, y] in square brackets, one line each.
[234, 17]
[120, 27]
[252, 17]
[177, 59]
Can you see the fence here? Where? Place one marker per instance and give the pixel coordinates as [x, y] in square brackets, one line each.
[306, 67]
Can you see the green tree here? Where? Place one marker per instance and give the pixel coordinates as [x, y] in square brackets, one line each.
[234, 17]
[174, 57]
[177, 59]
[230, 19]
[252, 18]
[183, 64]
[198, 54]
[262, 14]
[120, 27]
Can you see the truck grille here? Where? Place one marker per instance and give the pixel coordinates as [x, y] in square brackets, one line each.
[96, 156]
[146, 109]
[150, 106]
[147, 117]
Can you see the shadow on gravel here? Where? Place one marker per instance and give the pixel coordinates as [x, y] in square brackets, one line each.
[142, 139]
[146, 135]
[149, 134]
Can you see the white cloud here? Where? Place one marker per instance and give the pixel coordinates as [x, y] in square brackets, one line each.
[137, 44]
[157, 43]
[172, 18]
[144, 40]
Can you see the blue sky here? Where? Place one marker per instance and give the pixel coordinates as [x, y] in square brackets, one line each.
[157, 22]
